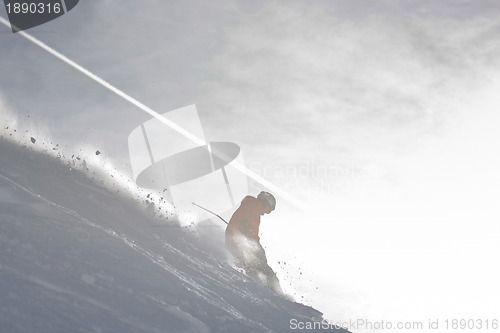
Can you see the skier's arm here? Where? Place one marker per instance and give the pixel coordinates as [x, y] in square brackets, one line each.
[250, 229]
[243, 221]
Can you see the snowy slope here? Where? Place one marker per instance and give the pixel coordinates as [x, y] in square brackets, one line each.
[77, 257]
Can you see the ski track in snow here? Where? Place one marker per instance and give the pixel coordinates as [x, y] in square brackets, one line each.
[200, 293]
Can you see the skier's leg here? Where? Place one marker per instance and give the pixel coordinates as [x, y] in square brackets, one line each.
[236, 251]
[271, 280]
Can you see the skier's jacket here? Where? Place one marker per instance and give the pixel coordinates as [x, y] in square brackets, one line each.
[245, 220]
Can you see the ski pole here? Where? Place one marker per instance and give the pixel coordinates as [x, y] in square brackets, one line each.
[194, 203]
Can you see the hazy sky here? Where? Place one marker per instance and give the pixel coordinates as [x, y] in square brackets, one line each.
[380, 115]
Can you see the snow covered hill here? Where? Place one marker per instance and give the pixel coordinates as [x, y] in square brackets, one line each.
[77, 256]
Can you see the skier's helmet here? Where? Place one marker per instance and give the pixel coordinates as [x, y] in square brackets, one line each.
[268, 199]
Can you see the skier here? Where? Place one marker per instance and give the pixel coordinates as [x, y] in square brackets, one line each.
[243, 241]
